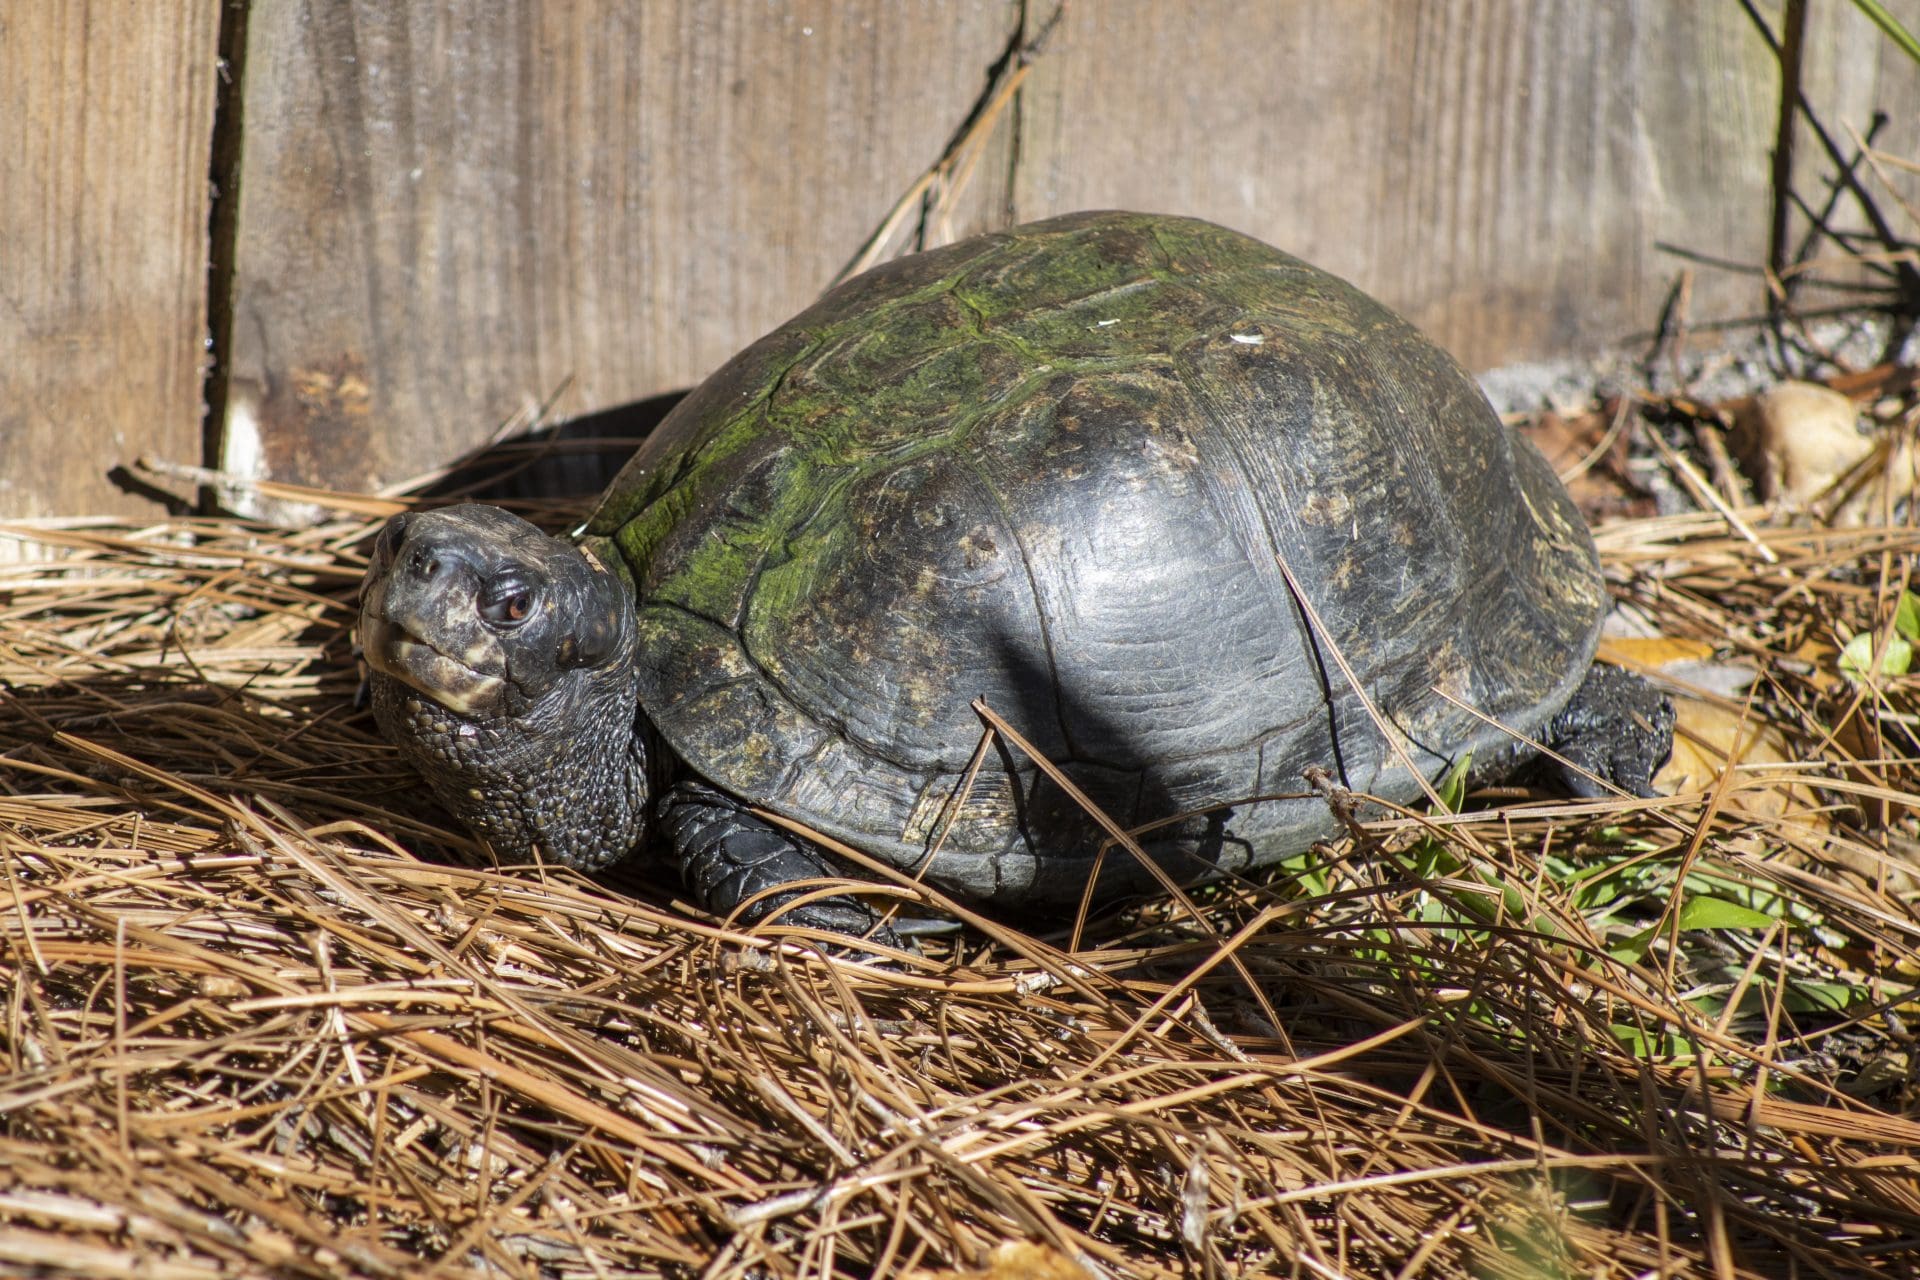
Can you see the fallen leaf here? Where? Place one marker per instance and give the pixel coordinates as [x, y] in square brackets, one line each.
[1016, 1260]
[1649, 652]
[1802, 446]
[1710, 739]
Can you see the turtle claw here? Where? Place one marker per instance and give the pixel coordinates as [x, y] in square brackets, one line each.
[1615, 732]
[729, 857]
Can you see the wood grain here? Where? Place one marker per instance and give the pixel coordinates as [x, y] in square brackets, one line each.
[105, 114]
[1501, 171]
[451, 211]
[1852, 74]
[448, 212]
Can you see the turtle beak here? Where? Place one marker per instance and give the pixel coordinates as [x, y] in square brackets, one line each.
[418, 623]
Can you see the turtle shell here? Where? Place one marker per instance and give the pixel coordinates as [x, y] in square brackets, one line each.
[1069, 469]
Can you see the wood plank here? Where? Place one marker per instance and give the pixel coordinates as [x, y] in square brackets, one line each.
[1499, 170]
[1851, 74]
[449, 210]
[106, 115]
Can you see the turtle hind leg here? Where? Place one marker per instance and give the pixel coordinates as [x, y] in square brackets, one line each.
[728, 856]
[1617, 728]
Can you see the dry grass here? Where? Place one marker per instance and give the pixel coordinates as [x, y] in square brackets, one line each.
[264, 1017]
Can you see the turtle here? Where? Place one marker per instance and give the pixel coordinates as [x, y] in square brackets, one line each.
[1194, 517]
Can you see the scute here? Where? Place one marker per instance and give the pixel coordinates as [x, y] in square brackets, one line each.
[1067, 469]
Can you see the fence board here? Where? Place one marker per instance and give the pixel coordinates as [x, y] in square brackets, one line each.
[1500, 170]
[1852, 73]
[106, 110]
[448, 211]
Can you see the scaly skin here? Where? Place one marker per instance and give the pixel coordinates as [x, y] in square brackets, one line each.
[528, 728]
[524, 727]
[1617, 729]
[730, 858]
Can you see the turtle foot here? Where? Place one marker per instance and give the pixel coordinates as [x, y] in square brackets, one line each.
[729, 857]
[1617, 729]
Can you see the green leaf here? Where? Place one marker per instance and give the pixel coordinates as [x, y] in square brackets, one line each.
[1800, 997]
[1453, 788]
[1906, 615]
[1825, 997]
[1890, 27]
[1858, 655]
[1634, 949]
[1717, 913]
[1658, 1045]
[1309, 874]
[1899, 656]
[1857, 658]
[1698, 912]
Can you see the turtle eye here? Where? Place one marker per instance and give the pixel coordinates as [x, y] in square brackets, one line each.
[506, 602]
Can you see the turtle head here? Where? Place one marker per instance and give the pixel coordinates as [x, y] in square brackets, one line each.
[503, 667]
[486, 615]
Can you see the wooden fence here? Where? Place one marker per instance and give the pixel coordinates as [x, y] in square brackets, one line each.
[368, 233]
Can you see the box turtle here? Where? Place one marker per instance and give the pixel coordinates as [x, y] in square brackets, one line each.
[1168, 500]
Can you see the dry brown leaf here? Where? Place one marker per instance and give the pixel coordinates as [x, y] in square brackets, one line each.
[1710, 739]
[1647, 653]
[1017, 1260]
[1804, 448]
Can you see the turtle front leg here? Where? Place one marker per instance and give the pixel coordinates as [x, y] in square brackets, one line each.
[1616, 727]
[727, 856]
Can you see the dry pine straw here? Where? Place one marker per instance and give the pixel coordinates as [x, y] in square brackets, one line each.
[266, 1015]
